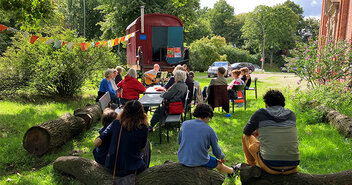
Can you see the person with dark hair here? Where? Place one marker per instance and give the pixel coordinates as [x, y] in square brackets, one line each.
[196, 137]
[276, 150]
[246, 77]
[100, 152]
[220, 80]
[134, 124]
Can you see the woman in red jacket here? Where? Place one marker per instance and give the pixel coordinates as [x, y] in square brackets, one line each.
[131, 87]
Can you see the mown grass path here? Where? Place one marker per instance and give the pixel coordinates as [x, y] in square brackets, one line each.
[322, 149]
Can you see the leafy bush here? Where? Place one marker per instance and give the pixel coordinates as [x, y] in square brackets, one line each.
[236, 54]
[48, 70]
[204, 52]
[331, 63]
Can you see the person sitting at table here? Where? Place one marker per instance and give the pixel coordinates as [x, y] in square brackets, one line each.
[197, 86]
[118, 77]
[176, 93]
[246, 77]
[131, 87]
[189, 82]
[150, 76]
[236, 81]
[105, 86]
[220, 80]
[195, 139]
[131, 130]
[99, 153]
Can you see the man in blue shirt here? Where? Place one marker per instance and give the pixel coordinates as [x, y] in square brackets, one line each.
[195, 139]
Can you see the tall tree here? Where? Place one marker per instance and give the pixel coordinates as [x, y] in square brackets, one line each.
[221, 13]
[311, 28]
[233, 32]
[279, 23]
[119, 14]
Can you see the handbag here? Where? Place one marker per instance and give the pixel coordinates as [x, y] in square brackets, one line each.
[126, 180]
[176, 107]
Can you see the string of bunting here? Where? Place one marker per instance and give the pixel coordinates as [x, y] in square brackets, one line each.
[60, 43]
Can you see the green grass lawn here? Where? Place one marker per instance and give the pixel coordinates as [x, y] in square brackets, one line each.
[322, 149]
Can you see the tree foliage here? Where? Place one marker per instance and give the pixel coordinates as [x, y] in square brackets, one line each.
[26, 14]
[50, 71]
[119, 14]
[279, 24]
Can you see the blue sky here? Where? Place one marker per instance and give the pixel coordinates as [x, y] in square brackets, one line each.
[312, 8]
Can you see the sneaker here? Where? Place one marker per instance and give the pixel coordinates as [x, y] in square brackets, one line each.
[236, 170]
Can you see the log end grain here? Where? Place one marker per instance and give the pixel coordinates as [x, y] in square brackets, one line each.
[36, 140]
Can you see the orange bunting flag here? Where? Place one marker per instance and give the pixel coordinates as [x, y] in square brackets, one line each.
[117, 41]
[122, 39]
[83, 46]
[105, 43]
[88, 45]
[42, 39]
[97, 44]
[2, 27]
[33, 39]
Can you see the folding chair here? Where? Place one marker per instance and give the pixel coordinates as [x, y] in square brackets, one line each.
[239, 89]
[254, 88]
[176, 118]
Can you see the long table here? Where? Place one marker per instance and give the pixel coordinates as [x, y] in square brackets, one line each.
[153, 100]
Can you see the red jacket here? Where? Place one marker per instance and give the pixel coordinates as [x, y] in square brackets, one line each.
[131, 88]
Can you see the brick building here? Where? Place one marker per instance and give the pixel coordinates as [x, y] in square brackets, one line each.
[336, 19]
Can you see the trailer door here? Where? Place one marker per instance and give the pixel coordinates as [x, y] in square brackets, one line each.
[175, 41]
[159, 43]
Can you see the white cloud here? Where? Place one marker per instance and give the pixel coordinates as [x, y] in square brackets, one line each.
[313, 3]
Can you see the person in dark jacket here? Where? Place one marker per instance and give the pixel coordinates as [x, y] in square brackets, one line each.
[189, 82]
[176, 93]
[118, 77]
[131, 87]
[133, 122]
[276, 150]
[100, 152]
[246, 77]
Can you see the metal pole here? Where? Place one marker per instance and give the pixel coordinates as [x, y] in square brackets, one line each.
[84, 18]
[263, 41]
[142, 19]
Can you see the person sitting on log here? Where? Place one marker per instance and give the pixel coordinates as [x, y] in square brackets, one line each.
[131, 87]
[276, 150]
[196, 137]
[105, 86]
[130, 129]
[100, 152]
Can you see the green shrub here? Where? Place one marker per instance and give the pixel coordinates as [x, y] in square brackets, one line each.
[236, 54]
[50, 71]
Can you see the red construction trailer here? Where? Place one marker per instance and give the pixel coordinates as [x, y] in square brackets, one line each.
[161, 42]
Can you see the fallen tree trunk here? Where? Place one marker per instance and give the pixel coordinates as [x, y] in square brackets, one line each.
[339, 121]
[91, 173]
[253, 175]
[51, 134]
[91, 114]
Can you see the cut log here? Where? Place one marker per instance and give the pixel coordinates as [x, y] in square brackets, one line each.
[341, 122]
[51, 134]
[91, 114]
[89, 172]
[253, 175]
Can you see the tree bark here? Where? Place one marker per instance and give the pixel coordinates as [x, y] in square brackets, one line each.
[51, 134]
[91, 114]
[91, 173]
[253, 175]
[271, 57]
[339, 121]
